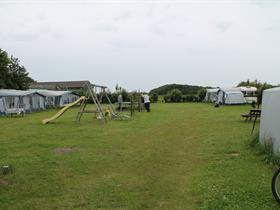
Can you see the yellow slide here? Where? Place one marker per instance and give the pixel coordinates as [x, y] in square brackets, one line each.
[64, 109]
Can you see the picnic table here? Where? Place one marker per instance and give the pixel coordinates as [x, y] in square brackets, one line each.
[253, 113]
[15, 111]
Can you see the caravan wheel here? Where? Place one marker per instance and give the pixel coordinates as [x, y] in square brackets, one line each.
[276, 185]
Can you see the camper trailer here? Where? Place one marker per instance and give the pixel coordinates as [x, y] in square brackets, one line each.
[250, 94]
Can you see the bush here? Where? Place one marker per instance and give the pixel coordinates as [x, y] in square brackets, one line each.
[113, 97]
[166, 98]
[262, 87]
[189, 98]
[154, 98]
[174, 95]
[196, 98]
[201, 94]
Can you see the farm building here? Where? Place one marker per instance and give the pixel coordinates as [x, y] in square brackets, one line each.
[57, 98]
[60, 85]
[270, 118]
[28, 100]
[230, 96]
[211, 95]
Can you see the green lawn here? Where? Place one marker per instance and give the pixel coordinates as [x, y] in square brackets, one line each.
[179, 156]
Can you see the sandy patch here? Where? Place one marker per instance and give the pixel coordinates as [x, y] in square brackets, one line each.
[63, 150]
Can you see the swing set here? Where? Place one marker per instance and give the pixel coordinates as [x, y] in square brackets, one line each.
[95, 94]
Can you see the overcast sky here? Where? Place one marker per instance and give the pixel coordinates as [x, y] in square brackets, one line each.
[144, 44]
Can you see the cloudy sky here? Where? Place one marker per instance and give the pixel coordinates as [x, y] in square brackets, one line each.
[142, 44]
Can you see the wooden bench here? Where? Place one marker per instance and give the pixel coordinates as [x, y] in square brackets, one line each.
[254, 113]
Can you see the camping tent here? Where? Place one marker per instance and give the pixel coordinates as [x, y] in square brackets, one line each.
[230, 96]
[28, 100]
[270, 118]
[211, 95]
[57, 98]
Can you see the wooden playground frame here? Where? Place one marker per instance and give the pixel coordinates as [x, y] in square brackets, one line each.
[96, 93]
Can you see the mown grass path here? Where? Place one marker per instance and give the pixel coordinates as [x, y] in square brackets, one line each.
[179, 156]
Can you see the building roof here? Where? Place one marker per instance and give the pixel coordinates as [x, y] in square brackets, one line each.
[59, 85]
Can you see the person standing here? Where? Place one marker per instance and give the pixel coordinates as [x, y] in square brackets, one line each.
[120, 102]
[146, 102]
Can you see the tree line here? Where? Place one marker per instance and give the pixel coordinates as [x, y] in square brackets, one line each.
[189, 93]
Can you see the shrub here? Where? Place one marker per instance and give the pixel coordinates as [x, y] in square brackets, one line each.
[201, 94]
[189, 98]
[174, 95]
[154, 98]
[166, 98]
[262, 87]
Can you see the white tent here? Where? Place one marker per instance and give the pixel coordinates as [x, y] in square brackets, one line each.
[55, 98]
[211, 95]
[28, 100]
[230, 96]
[270, 118]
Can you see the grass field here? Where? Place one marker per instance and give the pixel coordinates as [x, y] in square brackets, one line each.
[179, 156]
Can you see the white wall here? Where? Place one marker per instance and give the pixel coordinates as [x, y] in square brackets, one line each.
[270, 118]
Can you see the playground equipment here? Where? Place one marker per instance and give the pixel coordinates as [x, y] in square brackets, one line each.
[135, 103]
[96, 94]
[63, 110]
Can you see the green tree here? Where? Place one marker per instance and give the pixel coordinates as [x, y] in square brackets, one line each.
[256, 83]
[12, 74]
[125, 95]
[4, 69]
[174, 95]
[261, 88]
[189, 98]
[154, 97]
[201, 94]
